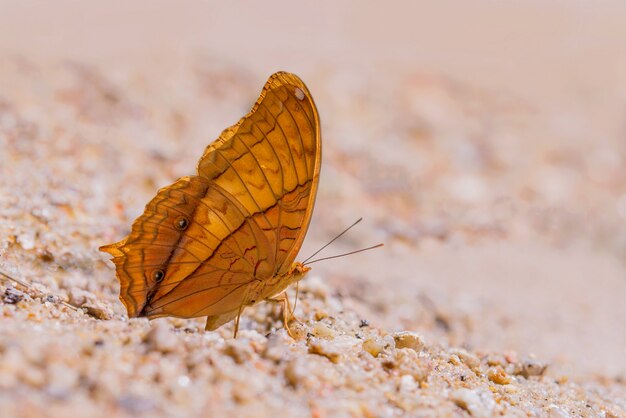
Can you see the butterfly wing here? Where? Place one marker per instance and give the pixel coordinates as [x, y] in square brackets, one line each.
[270, 160]
[203, 240]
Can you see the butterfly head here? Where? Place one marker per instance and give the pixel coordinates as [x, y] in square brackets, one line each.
[297, 272]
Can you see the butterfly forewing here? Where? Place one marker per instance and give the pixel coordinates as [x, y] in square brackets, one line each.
[272, 157]
[218, 238]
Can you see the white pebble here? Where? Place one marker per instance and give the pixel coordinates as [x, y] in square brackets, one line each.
[472, 402]
[407, 383]
[26, 241]
[183, 381]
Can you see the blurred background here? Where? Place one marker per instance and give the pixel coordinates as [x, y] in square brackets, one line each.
[484, 143]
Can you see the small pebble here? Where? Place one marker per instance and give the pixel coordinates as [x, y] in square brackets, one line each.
[531, 367]
[320, 314]
[408, 362]
[407, 383]
[471, 401]
[12, 295]
[183, 381]
[498, 375]
[555, 412]
[160, 338]
[98, 310]
[54, 299]
[26, 241]
[496, 360]
[295, 372]
[299, 331]
[276, 348]
[324, 348]
[469, 359]
[455, 360]
[321, 330]
[407, 339]
[45, 255]
[374, 346]
[238, 350]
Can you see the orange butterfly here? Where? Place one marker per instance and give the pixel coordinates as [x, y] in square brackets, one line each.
[226, 238]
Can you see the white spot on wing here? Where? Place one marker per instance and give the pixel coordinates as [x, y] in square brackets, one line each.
[299, 94]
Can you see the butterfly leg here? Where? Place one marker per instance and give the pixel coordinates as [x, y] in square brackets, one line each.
[288, 314]
[244, 302]
[237, 320]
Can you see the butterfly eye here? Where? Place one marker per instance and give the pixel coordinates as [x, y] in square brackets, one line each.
[181, 223]
[158, 275]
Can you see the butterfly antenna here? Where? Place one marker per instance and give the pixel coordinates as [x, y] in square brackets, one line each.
[333, 240]
[295, 303]
[345, 254]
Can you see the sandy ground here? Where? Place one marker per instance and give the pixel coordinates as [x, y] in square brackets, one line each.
[496, 182]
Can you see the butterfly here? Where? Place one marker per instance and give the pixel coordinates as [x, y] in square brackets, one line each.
[226, 238]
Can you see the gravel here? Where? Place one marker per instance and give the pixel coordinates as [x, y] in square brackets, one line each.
[84, 148]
